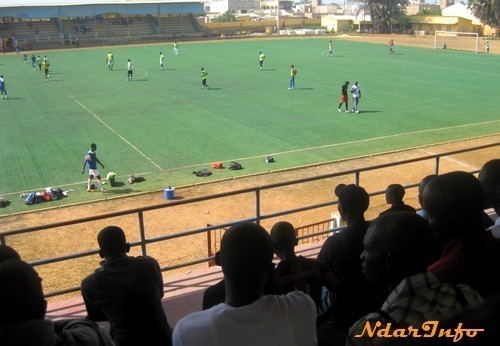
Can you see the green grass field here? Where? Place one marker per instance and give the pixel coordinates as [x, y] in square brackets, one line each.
[165, 126]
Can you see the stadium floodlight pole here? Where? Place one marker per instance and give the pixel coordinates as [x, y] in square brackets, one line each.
[278, 17]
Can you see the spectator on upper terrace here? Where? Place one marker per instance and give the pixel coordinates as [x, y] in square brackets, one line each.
[247, 317]
[341, 255]
[398, 247]
[394, 196]
[470, 255]
[22, 316]
[126, 291]
[6, 253]
[421, 186]
[489, 176]
[297, 273]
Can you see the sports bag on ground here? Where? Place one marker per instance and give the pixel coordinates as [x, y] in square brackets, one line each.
[203, 173]
[235, 165]
[217, 165]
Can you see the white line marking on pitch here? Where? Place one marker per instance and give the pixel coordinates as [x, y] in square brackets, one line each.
[116, 133]
[247, 158]
[69, 184]
[373, 139]
[342, 144]
[145, 73]
[451, 159]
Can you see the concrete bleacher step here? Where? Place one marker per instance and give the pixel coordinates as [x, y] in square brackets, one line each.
[34, 31]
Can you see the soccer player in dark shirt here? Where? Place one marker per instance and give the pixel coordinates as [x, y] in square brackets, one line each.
[344, 98]
[204, 78]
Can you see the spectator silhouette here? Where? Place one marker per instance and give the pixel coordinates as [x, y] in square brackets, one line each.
[22, 313]
[6, 253]
[247, 317]
[297, 273]
[470, 254]
[398, 248]
[127, 292]
[341, 255]
[394, 196]
[421, 186]
[489, 176]
[214, 295]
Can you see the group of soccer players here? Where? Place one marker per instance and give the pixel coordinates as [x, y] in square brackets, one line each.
[43, 64]
[293, 71]
[110, 61]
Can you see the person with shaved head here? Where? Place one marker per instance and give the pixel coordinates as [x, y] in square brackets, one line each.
[23, 308]
[470, 254]
[126, 291]
[421, 186]
[6, 253]
[394, 196]
[248, 317]
[298, 273]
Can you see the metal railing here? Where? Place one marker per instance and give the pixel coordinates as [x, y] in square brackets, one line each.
[258, 217]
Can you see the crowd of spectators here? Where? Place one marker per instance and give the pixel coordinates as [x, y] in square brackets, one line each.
[386, 281]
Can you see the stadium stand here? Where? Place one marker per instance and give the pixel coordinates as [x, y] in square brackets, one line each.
[185, 24]
[97, 23]
[33, 31]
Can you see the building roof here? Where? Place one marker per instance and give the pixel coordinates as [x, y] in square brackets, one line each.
[27, 3]
[435, 20]
[460, 10]
[341, 17]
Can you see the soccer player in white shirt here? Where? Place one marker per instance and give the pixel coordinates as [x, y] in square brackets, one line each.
[356, 95]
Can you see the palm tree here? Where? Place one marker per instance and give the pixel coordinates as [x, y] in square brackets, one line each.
[383, 12]
[488, 11]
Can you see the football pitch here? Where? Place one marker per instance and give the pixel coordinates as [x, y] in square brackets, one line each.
[164, 126]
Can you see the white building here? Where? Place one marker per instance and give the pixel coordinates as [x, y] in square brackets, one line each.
[460, 10]
[221, 6]
[327, 9]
